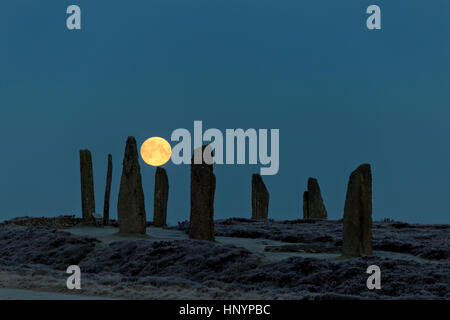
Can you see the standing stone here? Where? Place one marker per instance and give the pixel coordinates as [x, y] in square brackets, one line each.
[260, 198]
[305, 205]
[357, 230]
[107, 192]
[87, 187]
[203, 186]
[161, 197]
[131, 205]
[313, 207]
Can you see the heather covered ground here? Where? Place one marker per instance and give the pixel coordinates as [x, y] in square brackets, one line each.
[249, 260]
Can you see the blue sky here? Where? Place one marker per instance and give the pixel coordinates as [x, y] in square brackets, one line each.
[340, 94]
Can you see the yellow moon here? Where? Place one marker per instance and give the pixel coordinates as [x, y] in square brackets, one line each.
[156, 151]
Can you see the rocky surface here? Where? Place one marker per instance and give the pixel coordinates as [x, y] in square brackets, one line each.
[313, 207]
[203, 187]
[87, 187]
[161, 198]
[107, 191]
[131, 204]
[260, 198]
[357, 232]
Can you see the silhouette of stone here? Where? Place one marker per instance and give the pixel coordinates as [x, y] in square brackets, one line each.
[203, 186]
[313, 207]
[161, 197]
[357, 230]
[131, 205]
[260, 198]
[107, 192]
[87, 187]
[305, 205]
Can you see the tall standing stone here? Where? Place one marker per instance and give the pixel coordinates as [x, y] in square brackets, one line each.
[161, 197]
[313, 207]
[107, 192]
[131, 205]
[203, 186]
[87, 187]
[305, 205]
[260, 198]
[357, 230]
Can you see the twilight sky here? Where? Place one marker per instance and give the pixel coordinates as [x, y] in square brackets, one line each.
[340, 94]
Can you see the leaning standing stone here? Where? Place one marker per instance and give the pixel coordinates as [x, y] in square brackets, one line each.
[107, 192]
[260, 198]
[87, 187]
[161, 197]
[131, 205]
[203, 185]
[313, 207]
[357, 230]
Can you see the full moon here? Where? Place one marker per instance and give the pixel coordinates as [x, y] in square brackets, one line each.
[156, 151]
